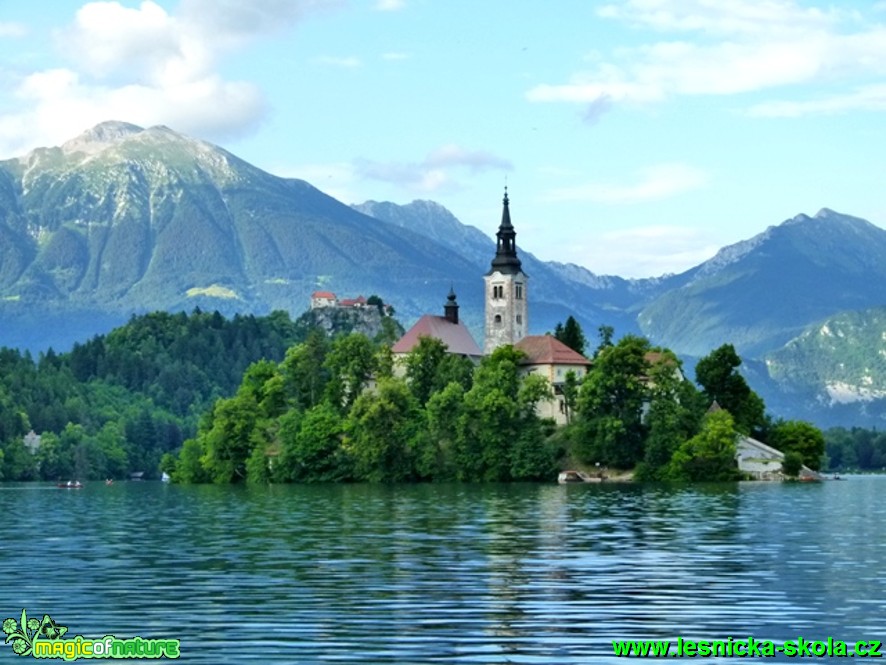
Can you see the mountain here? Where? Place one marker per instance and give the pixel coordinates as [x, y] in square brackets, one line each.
[558, 290]
[836, 369]
[123, 219]
[760, 293]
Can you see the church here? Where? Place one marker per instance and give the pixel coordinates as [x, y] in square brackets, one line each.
[506, 322]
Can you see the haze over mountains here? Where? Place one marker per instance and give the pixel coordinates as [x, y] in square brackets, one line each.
[123, 219]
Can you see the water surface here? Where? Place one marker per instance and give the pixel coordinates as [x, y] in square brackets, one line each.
[446, 573]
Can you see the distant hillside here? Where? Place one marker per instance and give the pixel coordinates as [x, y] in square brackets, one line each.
[760, 293]
[124, 219]
[837, 368]
[557, 290]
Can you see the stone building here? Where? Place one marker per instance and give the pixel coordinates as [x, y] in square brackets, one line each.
[506, 289]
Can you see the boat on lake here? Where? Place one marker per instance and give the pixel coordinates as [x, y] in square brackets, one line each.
[70, 485]
[570, 476]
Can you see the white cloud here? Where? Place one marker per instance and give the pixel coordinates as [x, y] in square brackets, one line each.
[346, 62]
[8, 29]
[390, 5]
[640, 252]
[735, 47]
[476, 160]
[867, 98]
[730, 17]
[436, 172]
[149, 66]
[654, 183]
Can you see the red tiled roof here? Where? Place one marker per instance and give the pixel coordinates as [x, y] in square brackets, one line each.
[548, 350]
[454, 335]
[323, 294]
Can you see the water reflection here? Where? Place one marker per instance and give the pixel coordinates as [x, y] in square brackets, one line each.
[517, 573]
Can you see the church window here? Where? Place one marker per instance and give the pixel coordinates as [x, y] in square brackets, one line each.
[498, 318]
[518, 292]
[519, 318]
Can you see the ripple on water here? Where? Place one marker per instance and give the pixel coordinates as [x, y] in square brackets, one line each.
[465, 574]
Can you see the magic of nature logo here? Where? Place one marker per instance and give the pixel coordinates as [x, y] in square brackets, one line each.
[44, 638]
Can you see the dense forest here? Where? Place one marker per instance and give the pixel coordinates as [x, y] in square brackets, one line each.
[272, 399]
[115, 404]
[343, 410]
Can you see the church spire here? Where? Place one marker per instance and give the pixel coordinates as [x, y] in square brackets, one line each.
[450, 309]
[506, 260]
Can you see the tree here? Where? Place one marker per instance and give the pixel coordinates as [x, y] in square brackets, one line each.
[490, 421]
[793, 462]
[350, 363]
[382, 433]
[443, 411]
[709, 455]
[570, 390]
[604, 333]
[672, 417]
[717, 374]
[304, 372]
[799, 437]
[423, 365]
[610, 428]
[315, 454]
[571, 335]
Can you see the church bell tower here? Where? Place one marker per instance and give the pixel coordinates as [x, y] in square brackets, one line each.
[506, 294]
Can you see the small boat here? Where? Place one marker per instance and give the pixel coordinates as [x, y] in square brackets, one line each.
[570, 476]
[165, 477]
[70, 485]
[109, 481]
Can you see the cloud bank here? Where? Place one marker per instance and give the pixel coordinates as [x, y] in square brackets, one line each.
[148, 66]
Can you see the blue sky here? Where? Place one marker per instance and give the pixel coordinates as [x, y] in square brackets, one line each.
[636, 137]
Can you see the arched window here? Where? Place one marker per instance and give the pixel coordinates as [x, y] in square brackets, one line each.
[498, 319]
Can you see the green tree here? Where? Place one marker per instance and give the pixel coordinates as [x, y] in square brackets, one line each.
[571, 390]
[304, 372]
[717, 373]
[382, 433]
[444, 412]
[315, 454]
[709, 455]
[351, 363]
[604, 334]
[611, 429]
[189, 467]
[673, 415]
[793, 462]
[423, 367]
[571, 335]
[490, 418]
[800, 437]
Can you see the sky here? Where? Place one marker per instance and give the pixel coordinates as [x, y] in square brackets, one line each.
[635, 137]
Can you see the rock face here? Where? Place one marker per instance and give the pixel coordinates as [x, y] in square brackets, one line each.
[337, 321]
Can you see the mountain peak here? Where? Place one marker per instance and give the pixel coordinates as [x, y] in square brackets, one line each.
[100, 137]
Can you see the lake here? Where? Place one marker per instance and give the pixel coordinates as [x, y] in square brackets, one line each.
[446, 573]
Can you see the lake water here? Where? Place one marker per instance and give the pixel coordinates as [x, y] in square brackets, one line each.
[446, 574]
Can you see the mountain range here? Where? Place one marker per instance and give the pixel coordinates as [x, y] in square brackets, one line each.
[123, 219]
